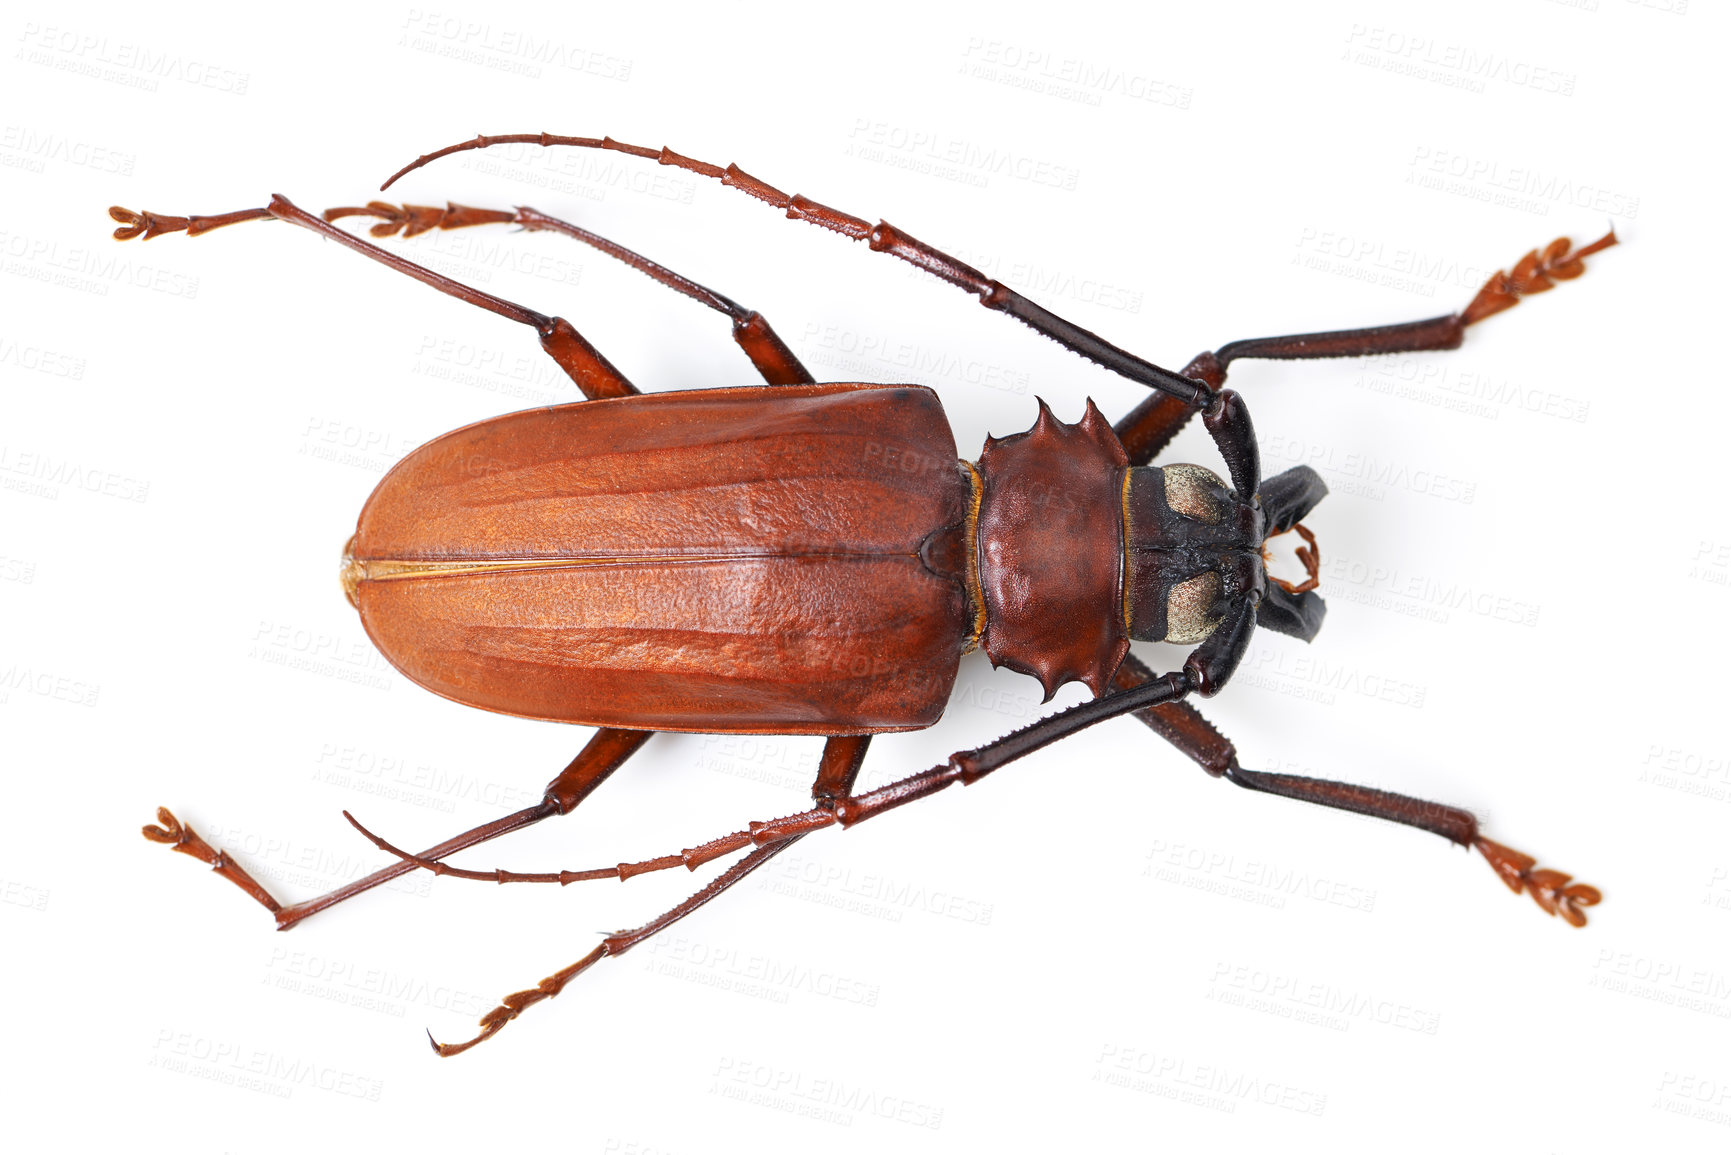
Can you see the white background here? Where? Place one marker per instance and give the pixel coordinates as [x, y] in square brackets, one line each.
[1526, 560]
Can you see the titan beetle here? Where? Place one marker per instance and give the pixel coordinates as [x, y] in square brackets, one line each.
[804, 558]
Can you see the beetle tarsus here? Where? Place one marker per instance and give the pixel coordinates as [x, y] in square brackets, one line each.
[413, 220]
[1553, 890]
[515, 1004]
[178, 836]
[171, 829]
[615, 944]
[148, 224]
[1536, 272]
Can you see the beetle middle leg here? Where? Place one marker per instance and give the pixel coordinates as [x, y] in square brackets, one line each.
[769, 354]
[836, 772]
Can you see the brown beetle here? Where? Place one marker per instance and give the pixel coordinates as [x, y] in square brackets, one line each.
[815, 559]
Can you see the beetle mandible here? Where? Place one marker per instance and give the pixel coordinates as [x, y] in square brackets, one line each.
[804, 558]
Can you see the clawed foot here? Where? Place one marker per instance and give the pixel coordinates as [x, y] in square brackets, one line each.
[180, 837]
[413, 220]
[515, 1004]
[1537, 272]
[1551, 889]
[148, 224]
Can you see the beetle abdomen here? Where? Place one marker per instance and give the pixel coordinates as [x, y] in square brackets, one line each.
[729, 559]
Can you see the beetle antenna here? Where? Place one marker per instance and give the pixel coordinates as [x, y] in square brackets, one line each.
[544, 139]
[431, 864]
[691, 858]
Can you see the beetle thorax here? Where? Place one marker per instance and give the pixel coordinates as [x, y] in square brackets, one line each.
[1078, 552]
[1051, 555]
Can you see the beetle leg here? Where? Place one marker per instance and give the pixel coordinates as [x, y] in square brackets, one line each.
[839, 767]
[1180, 724]
[580, 360]
[600, 756]
[1147, 429]
[183, 839]
[769, 354]
[513, 1005]
[884, 238]
[1150, 698]
[842, 757]
[835, 777]
[1204, 672]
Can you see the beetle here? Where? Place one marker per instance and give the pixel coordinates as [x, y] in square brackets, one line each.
[804, 558]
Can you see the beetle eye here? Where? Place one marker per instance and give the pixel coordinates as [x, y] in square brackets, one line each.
[1195, 492]
[1187, 619]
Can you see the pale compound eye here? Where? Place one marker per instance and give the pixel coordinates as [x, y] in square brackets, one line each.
[1195, 492]
[1187, 620]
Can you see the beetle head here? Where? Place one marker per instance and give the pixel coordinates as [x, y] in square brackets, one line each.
[1195, 550]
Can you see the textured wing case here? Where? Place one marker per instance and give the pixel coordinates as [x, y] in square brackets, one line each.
[714, 560]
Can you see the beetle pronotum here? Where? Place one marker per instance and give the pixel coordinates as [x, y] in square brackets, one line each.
[762, 560]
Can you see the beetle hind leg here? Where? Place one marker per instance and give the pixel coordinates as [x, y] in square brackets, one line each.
[769, 354]
[581, 361]
[181, 838]
[600, 756]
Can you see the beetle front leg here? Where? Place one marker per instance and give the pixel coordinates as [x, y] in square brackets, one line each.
[1147, 429]
[1180, 724]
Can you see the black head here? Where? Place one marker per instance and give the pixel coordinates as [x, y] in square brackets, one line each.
[1195, 552]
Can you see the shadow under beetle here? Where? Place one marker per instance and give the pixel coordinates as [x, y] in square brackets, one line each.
[799, 558]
